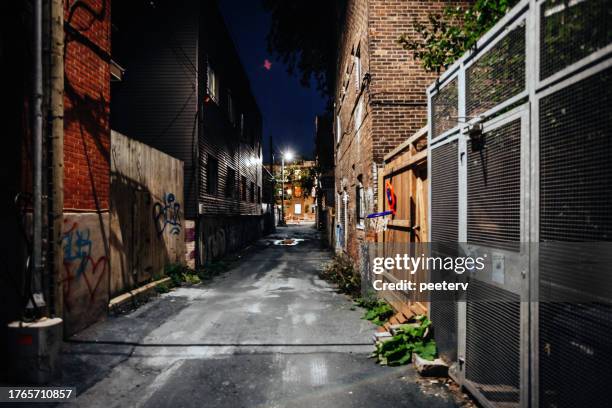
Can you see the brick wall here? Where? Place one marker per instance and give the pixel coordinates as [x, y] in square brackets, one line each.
[353, 152]
[398, 81]
[393, 98]
[87, 97]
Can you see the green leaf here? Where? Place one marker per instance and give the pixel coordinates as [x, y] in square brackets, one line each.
[427, 350]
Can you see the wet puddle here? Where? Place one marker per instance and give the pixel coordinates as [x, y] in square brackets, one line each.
[287, 241]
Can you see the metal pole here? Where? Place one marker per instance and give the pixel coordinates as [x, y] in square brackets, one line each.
[282, 190]
[37, 136]
[57, 140]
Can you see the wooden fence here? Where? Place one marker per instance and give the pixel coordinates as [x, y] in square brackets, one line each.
[405, 168]
[146, 227]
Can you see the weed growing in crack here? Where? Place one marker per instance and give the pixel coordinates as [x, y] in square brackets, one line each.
[341, 271]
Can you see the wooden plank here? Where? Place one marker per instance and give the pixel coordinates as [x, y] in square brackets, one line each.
[399, 223]
[381, 203]
[399, 166]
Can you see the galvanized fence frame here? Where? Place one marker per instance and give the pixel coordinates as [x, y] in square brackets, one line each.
[537, 85]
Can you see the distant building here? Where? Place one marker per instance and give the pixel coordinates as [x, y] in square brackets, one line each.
[184, 91]
[299, 185]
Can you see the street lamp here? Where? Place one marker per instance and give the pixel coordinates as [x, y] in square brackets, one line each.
[289, 156]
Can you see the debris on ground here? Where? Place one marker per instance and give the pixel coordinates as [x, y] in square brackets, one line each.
[445, 386]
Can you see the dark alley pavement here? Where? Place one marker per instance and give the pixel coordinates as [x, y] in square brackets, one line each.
[266, 333]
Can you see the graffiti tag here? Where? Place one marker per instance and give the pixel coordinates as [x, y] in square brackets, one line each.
[80, 264]
[167, 214]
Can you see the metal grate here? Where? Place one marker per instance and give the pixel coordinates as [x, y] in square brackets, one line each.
[493, 343]
[575, 354]
[498, 74]
[571, 30]
[443, 315]
[575, 161]
[575, 199]
[444, 228]
[494, 192]
[444, 193]
[444, 109]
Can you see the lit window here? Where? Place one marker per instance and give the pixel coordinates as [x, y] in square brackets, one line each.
[213, 84]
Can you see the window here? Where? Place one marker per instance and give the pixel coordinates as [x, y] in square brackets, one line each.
[358, 118]
[230, 183]
[252, 192]
[357, 64]
[213, 84]
[231, 113]
[360, 205]
[243, 188]
[212, 175]
[338, 128]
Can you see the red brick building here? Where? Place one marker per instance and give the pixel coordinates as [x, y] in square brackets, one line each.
[380, 100]
[87, 105]
[85, 237]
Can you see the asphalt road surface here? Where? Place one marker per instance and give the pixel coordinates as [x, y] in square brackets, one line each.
[266, 333]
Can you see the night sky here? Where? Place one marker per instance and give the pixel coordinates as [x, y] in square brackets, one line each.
[288, 108]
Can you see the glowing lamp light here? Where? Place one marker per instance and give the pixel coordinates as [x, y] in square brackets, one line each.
[288, 155]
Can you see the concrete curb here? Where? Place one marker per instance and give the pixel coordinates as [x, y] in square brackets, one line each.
[121, 300]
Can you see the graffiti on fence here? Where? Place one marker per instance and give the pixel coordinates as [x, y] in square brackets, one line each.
[81, 264]
[167, 214]
[215, 244]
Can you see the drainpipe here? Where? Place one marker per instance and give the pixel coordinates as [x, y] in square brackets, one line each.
[37, 95]
[56, 113]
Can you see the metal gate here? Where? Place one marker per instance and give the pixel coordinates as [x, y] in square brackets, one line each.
[520, 148]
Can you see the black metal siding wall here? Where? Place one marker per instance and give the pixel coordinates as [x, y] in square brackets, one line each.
[156, 102]
[231, 147]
